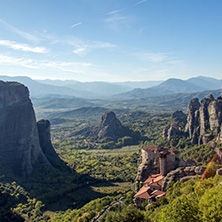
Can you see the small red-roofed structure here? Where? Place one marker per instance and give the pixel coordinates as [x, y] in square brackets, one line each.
[151, 188]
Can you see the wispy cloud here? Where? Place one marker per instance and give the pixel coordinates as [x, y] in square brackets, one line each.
[25, 35]
[152, 56]
[8, 60]
[84, 47]
[116, 18]
[114, 12]
[77, 24]
[75, 67]
[22, 47]
[140, 2]
[175, 62]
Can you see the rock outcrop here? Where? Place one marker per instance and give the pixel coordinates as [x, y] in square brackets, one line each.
[204, 118]
[20, 148]
[173, 130]
[192, 118]
[179, 119]
[45, 143]
[109, 127]
[182, 174]
[203, 122]
[179, 116]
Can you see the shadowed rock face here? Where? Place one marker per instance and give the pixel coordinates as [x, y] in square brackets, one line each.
[45, 143]
[203, 123]
[192, 116]
[203, 117]
[19, 147]
[110, 126]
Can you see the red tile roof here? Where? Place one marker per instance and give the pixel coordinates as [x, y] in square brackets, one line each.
[150, 148]
[158, 193]
[144, 193]
[154, 180]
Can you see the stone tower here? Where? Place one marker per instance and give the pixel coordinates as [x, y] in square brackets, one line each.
[163, 163]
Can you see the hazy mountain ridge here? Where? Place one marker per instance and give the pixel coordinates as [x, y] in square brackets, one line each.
[85, 112]
[58, 103]
[37, 89]
[173, 86]
[114, 91]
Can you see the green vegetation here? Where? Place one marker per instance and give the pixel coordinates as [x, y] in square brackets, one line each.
[100, 172]
[189, 201]
[118, 167]
[17, 205]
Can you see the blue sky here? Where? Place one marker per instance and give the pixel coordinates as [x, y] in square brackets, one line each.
[111, 40]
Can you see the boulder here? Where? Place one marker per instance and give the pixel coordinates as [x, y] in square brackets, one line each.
[219, 171]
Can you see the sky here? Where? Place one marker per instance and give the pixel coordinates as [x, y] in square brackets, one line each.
[111, 40]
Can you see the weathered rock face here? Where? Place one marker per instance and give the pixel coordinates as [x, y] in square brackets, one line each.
[179, 173]
[179, 116]
[19, 147]
[204, 114]
[179, 119]
[215, 115]
[173, 130]
[110, 126]
[45, 143]
[192, 116]
[203, 117]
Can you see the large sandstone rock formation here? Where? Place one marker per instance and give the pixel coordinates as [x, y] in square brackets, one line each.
[204, 118]
[45, 143]
[20, 148]
[109, 127]
[179, 118]
[203, 123]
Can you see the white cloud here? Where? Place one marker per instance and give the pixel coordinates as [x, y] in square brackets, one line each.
[140, 2]
[84, 47]
[77, 24]
[116, 18]
[25, 35]
[152, 57]
[8, 60]
[75, 67]
[114, 12]
[22, 47]
[78, 46]
[80, 51]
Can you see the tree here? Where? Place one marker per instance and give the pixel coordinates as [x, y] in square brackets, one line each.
[211, 205]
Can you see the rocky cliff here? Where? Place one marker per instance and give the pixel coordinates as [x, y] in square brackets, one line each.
[20, 149]
[206, 121]
[45, 143]
[109, 127]
[203, 121]
[182, 174]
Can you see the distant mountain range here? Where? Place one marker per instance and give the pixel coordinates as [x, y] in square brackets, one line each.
[117, 90]
[72, 88]
[173, 86]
